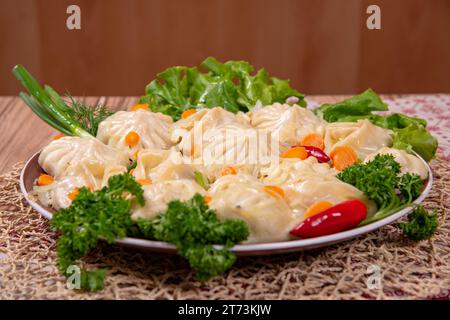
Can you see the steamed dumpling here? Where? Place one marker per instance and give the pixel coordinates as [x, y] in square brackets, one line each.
[268, 217]
[362, 136]
[158, 195]
[290, 123]
[206, 119]
[408, 162]
[301, 195]
[290, 170]
[160, 165]
[56, 194]
[75, 155]
[154, 130]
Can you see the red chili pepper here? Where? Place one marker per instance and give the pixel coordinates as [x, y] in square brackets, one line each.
[343, 216]
[317, 153]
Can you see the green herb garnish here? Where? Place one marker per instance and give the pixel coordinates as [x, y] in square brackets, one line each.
[194, 229]
[103, 213]
[421, 224]
[73, 119]
[230, 85]
[380, 181]
[89, 117]
[409, 133]
[202, 180]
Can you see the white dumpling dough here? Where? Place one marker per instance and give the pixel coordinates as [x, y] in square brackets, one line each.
[158, 195]
[75, 155]
[408, 162]
[291, 170]
[362, 136]
[301, 195]
[161, 165]
[154, 130]
[93, 177]
[242, 197]
[290, 123]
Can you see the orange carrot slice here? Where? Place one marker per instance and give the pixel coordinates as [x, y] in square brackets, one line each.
[274, 191]
[132, 138]
[58, 136]
[207, 199]
[73, 194]
[188, 113]
[295, 152]
[143, 106]
[316, 208]
[343, 157]
[144, 182]
[45, 180]
[228, 170]
[313, 140]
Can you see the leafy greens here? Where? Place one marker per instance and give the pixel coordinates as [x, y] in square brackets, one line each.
[409, 133]
[194, 229]
[421, 224]
[192, 226]
[380, 180]
[230, 85]
[103, 213]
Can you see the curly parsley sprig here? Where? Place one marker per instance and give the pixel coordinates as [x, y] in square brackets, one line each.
[103, 213]
[381, 181]
[194, 229]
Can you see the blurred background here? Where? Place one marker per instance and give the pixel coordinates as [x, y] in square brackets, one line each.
[323, 46]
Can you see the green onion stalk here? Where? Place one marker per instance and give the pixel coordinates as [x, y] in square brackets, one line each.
[48, 105]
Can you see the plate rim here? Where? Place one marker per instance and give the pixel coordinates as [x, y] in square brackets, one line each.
[253, 248]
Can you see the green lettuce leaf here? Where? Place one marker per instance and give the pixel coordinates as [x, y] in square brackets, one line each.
[230, 85]
[409, 133]
[352, 109]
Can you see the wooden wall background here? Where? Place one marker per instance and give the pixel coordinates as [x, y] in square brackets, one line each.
[323, 46]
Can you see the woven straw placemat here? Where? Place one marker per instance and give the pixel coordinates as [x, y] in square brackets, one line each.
[405, 269]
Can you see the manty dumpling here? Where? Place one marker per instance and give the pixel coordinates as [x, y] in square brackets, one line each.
[160, 165]
[242, 197]
[205, 119]
[91, 176]
[362, 136]
[153, 130]
[70, 155]
[158, 195]
[290, 123]
[408, 162]
[288, 170]
[302, 195]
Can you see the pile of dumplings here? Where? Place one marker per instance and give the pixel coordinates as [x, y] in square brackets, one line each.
[240, 191]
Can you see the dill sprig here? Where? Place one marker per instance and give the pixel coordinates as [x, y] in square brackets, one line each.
[88, 117]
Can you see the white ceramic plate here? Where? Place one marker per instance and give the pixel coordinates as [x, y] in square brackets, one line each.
[32, 170]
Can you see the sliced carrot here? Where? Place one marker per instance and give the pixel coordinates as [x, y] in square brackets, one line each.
[131, 171]
[228, 170]
[188, 113]
[295, 152]
[74, 194]
[274, 191]
[143, 106]
[58, 136]
[132, 138]
[144, 182]
[316, 208]
[207, 199]
[45, 180]
[313, 140]
[343, 157]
